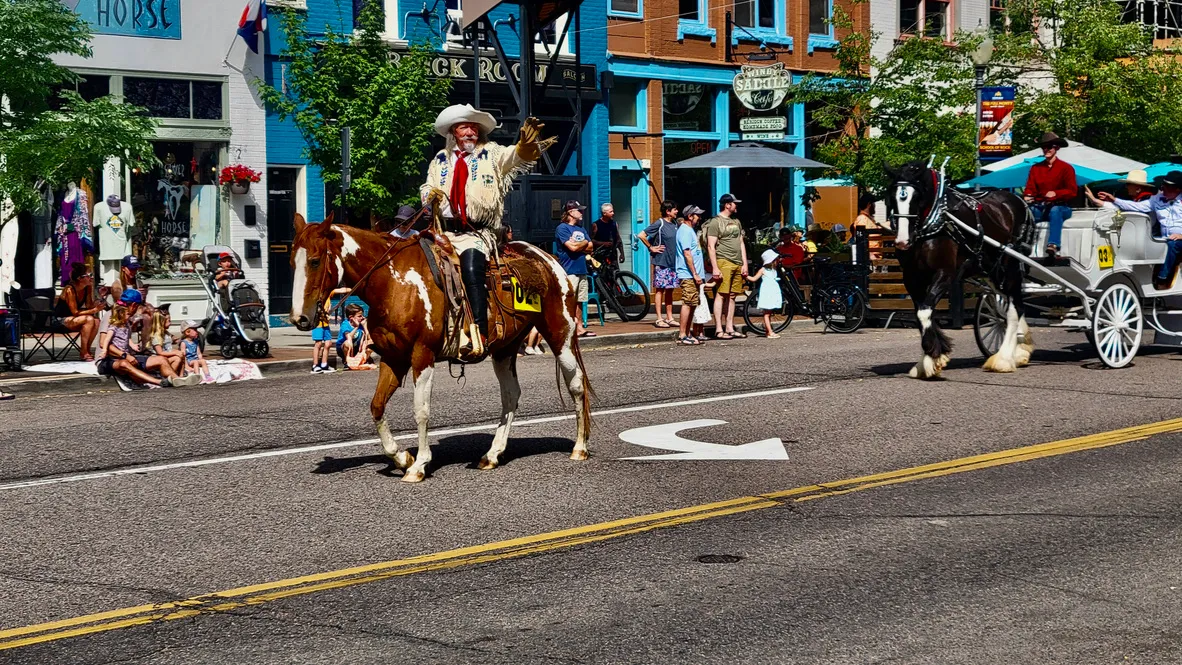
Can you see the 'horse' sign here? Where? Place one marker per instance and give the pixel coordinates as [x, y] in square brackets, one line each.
[159, 19]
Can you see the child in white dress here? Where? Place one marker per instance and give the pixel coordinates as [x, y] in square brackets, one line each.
[770, 297]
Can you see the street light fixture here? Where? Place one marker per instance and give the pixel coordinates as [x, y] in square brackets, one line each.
[980, 57]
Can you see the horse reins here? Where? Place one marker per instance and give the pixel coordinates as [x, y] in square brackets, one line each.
[382, 260]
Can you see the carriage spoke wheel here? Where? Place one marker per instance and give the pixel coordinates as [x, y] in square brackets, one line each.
[1117, 325]
[989, 322]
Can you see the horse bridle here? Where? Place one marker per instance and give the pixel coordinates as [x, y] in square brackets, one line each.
[929, 215]
[385, 258]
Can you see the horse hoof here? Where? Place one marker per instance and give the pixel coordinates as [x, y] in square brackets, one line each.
[486, 464]
[942, 362]
[927, 368]
[580, 455]
[413, 477]
[998, 364]
[1022, 355]
[402, 460]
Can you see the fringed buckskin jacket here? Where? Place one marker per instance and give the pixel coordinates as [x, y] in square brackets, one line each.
[491, 170]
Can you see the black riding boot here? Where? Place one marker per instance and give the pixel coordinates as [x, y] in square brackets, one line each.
[473, 268]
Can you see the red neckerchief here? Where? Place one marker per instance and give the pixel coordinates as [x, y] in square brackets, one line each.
[459, 179]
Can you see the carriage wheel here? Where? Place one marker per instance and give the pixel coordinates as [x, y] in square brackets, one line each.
[1117, 325]
[989, 322]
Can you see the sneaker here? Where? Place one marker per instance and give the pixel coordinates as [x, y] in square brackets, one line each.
[326, 369]
[185, 381]
[164, 383]
[531, 351]
[316, 369]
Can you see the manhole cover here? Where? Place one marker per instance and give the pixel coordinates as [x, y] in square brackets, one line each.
[719, 558]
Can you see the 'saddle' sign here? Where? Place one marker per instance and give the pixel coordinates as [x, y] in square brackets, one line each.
[159, 19]
[763, 88]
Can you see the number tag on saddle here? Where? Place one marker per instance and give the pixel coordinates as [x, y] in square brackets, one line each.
[523, 301]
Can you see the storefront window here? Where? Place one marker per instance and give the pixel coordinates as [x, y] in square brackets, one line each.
[686, 186]
[623, 105]
[175, 98]
[178, 204]
[687, 107]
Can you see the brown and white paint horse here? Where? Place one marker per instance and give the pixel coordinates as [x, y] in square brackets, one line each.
[407, 322]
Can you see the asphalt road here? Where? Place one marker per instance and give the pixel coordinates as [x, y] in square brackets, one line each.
[124, 512]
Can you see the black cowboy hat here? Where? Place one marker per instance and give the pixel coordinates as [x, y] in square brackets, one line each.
[1051, 138]
[1173, 178]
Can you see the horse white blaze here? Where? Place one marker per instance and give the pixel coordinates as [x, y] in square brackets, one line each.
[904, 194]
[299, 282]
[340, 272]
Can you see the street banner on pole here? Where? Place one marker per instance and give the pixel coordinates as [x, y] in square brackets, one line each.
[995, 136]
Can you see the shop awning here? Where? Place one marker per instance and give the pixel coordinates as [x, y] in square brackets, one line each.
[839, 181]
[1014, 177]
[747, 156]
[1077, 155]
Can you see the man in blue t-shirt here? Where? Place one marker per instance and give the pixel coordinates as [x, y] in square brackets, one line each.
[691, 270]
[661, 238]
[573, 247]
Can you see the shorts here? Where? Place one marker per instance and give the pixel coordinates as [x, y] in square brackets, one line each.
[579, 284]
[341, 350]
[665, 278]
[689, 293]
[322, 334]
[731, 282]
[104, 366]
[141, 360]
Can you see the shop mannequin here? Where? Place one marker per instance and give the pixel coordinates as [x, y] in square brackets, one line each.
[113, 222]
[73, 231]
[9, 232]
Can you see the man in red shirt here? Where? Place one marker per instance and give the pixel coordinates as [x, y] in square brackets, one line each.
[1050, 189]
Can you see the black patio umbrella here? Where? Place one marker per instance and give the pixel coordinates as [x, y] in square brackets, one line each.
[747, 156]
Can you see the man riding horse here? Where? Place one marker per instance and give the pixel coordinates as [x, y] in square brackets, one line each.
[469, 179]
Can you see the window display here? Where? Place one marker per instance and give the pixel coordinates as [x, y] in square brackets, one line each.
[178, 205]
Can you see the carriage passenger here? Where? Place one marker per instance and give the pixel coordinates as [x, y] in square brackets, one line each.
[1165, 208]
[1137, 187]
[1050, 189]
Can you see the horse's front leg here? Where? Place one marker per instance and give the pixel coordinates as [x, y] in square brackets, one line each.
[505, 367]
[388, 379]
[1008, 358]
[936, 345]
[422, 378]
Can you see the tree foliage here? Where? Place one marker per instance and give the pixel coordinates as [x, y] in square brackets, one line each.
[41, 145]
[1080, 72]
[354, 80]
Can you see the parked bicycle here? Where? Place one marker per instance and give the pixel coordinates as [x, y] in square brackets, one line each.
[834, 298]
[620, 291]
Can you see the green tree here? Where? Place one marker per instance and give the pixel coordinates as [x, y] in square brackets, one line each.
[43, 146]
[353, 80]
[1080, 71]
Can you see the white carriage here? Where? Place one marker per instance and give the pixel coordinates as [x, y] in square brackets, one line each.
[1102, 283]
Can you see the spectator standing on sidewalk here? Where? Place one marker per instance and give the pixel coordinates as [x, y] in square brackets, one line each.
[728, 255]
[691, 272]
[322, 336]
[573, 248]
[661, 239]
[605, 234]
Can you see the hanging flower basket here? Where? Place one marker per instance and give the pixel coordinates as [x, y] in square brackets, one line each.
[236, 179]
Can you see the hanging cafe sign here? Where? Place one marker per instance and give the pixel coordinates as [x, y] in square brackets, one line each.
[763, 88]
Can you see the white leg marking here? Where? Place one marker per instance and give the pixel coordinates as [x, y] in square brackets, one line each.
[299, 282]
[418, 470]
[574, 384]
[927, 367]
[1004, 360]
[510, 395]
[402, 459]
[1026, 346]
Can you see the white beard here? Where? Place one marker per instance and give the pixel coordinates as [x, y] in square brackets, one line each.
[466, 146]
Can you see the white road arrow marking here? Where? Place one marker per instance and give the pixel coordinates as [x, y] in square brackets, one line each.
[665, 437]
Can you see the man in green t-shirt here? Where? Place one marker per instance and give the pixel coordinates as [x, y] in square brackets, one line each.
[728, 256]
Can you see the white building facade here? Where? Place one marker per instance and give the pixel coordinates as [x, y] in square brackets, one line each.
[184, 62]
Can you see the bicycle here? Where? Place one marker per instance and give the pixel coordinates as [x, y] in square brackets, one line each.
[621, 291]
[834, 300]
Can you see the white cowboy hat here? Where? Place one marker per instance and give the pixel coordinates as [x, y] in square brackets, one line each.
[1137, 177]
[457, 113]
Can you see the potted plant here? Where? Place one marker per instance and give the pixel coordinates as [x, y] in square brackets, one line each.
[236, 178]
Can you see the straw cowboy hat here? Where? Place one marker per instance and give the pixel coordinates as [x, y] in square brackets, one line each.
[1051, 138]
[457, 113]
[1137, 177]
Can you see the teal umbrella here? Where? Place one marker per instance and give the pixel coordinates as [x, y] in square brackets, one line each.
[1161, 168]
[1014, 177]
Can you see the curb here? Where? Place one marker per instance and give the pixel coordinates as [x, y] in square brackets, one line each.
[80, 383]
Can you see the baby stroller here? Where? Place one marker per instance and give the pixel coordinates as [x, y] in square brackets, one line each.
[240, 325]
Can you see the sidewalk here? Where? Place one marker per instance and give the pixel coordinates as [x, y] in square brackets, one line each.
[291, 352]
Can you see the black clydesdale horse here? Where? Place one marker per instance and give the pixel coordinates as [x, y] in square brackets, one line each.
[934, 253]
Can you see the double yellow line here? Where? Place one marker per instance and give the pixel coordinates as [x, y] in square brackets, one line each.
[258, 594]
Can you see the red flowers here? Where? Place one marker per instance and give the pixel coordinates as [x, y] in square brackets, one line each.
[238, 173]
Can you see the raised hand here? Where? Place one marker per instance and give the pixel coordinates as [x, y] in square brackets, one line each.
[530, 145]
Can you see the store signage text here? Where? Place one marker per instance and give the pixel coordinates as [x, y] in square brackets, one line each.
[763, 124]
[763, 136]
[158, 19]
[763, 88]
[681, 98]
[460, 68]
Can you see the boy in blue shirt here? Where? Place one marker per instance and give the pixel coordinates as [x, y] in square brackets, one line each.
[353, 339]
